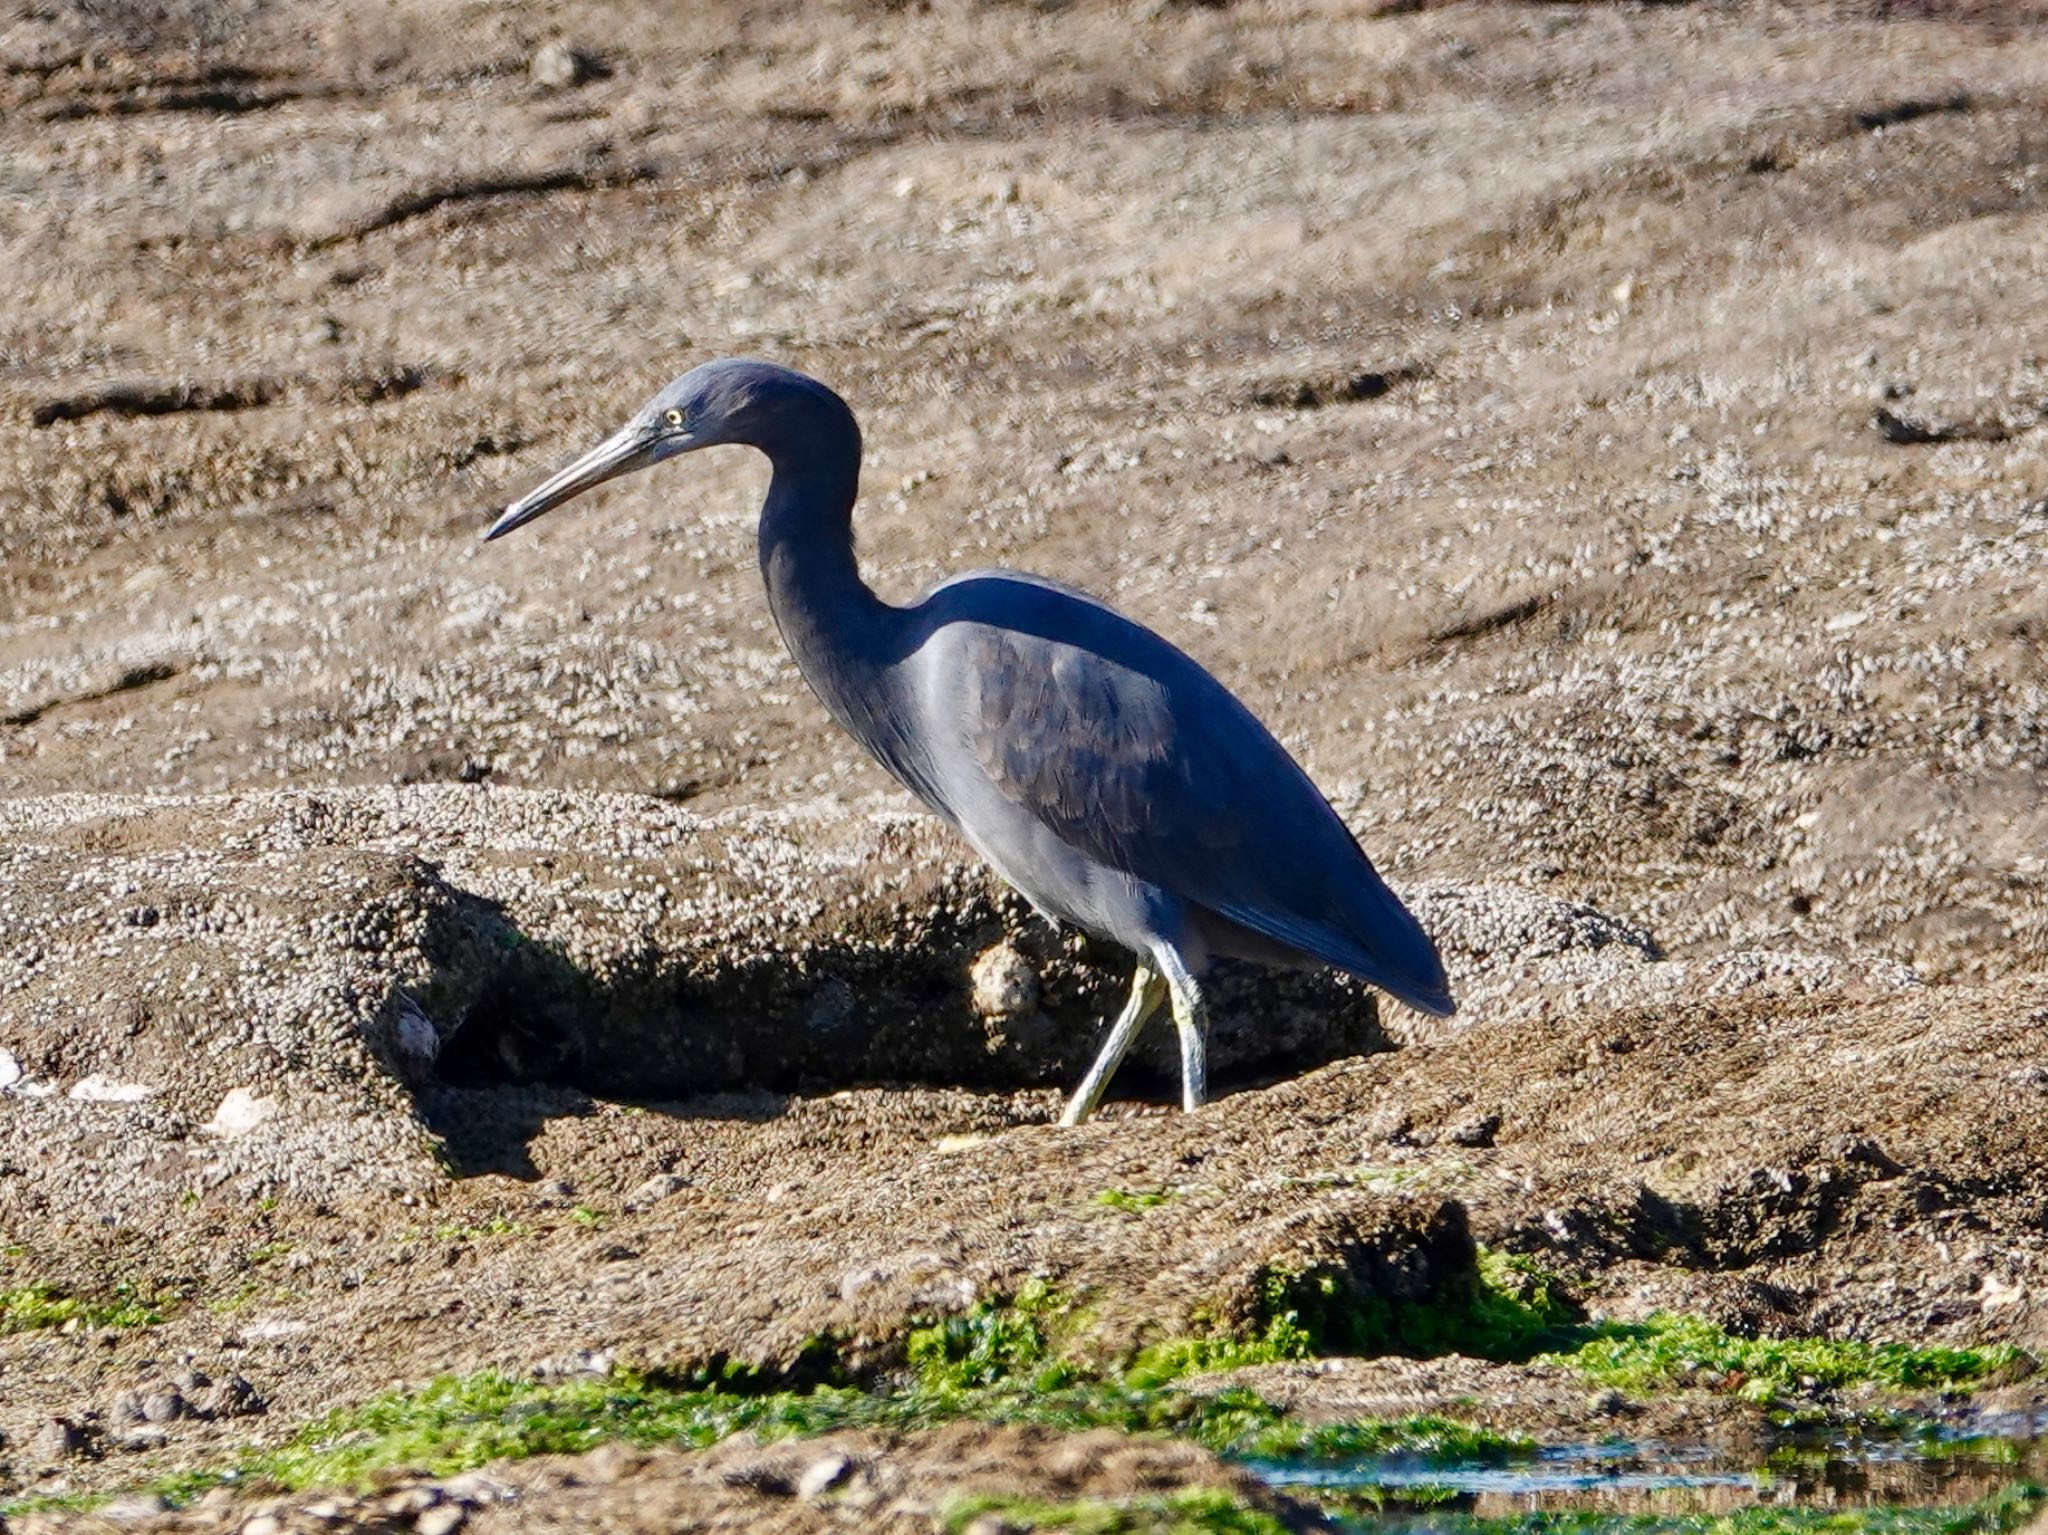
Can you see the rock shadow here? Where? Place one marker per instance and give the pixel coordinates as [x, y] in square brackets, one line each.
[896, 1002]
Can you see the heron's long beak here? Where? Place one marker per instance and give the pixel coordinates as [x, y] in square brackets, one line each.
[618, 454]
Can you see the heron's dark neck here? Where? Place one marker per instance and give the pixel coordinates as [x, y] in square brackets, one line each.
[834, 625]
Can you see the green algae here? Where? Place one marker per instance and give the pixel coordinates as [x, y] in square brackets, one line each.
[33, 1307]
[1132, 1201]
[1666, 1351]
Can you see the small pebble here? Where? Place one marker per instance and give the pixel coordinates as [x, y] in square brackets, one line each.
[409, 1501]
[557, 66]
[657, 1188]
[135, 1507]
[822, 1475]
[1005, 985]
[240, 1111]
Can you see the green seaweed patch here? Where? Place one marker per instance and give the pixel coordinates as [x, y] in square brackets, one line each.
[1419, 1436]
[34, 1307]
[494, 1226]
[1201, 1511]
[1666, 1351]
[1283, 1338]
[995, 1344]
[1516, 1311]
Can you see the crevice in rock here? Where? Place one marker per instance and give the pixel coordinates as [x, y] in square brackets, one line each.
[1492, 620]
[366, 386]
[146, 675]
[1870, 119]
[1910, 431]
[233, 94]
[157, 399]
[412, 205]
[1342, 388]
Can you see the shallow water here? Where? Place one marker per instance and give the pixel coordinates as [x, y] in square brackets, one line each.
[1938, 1483]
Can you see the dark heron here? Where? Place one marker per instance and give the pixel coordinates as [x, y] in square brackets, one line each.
[1102, 772]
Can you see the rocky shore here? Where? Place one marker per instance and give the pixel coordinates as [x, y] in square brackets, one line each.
[478, 1051]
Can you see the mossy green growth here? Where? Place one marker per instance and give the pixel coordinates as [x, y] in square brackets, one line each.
[999, 1362]
[456, 1423]
[495, 1226]
[994, 1344]
[31, 1307]
[1002, 1363]
[1517, 1311]
[1177, 1358]
[1281, 1335]
[1202, 1511]
[1665, 1351]
[1514, 1310]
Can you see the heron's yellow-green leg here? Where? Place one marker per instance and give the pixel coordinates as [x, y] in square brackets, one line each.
[1191, 1018]
[1147, 992]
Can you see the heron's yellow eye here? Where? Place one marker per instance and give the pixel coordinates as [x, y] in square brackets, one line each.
[673, 417]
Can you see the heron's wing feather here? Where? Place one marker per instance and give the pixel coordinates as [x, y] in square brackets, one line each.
[1151, 767]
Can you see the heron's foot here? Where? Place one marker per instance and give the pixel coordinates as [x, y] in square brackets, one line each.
[1147, 992]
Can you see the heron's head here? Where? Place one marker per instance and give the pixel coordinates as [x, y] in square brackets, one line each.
[726, 401]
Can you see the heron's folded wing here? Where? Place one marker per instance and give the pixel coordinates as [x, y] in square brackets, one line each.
[1161, 774]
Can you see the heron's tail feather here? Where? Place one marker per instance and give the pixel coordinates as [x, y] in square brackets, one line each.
[1371, 935]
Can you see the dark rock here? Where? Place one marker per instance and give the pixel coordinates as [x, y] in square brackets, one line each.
[125, 1410]
[1474, 1132]
[58, 1440]
[232, 1397]
[163, 1406]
